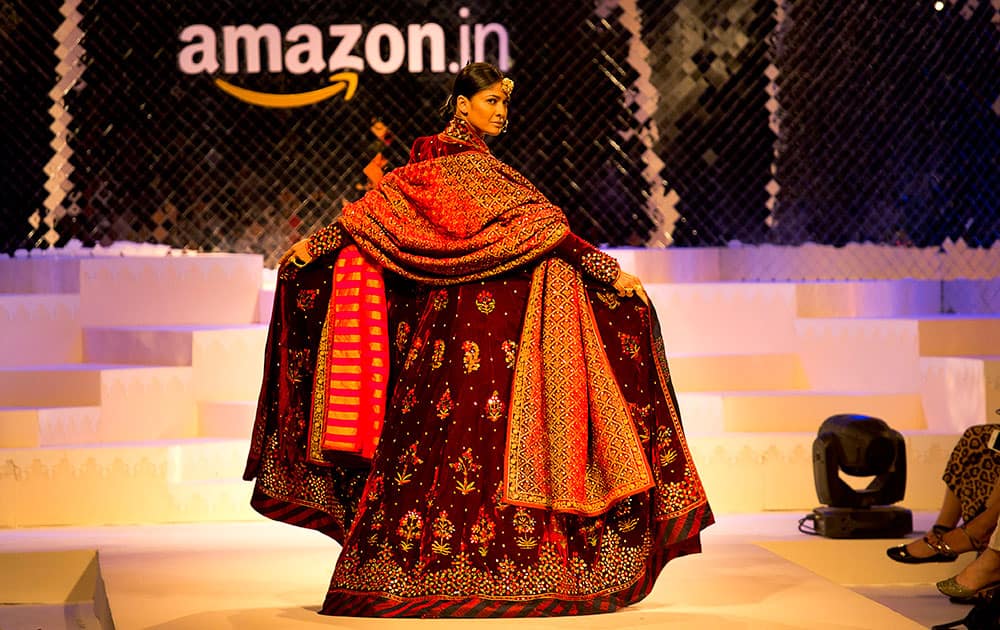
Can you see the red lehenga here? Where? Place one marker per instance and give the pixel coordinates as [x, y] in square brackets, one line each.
[530, 457]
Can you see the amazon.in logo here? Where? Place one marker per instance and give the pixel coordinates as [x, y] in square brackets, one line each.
[344, 50]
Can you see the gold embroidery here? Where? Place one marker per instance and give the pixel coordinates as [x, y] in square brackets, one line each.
[609, 298]
[495, 407]
[466, 465]
[402, 336]
[444, 404]
[615, 567]
[509, 348]
[454, 219]
[438, 355]
[471, 357]
[566, 402]
[410, 528]
[485, 302]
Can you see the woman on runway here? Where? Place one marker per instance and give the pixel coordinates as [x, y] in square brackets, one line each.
[470, 399]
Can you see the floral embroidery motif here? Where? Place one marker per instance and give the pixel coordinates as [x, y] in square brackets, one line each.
[299, 362]
[591, 533]
[641, 417]
[415, 348]
[485, 302]
[306, 299]
[410, 528]
[666, 453]
[375, 489]
[610, 299]
[439, 301]
[408, 458]
[483, 532]
[495, 407]
[465, 465]
[402, 335]
[524, 524]
[442, 529]
[445, 404]
[471, 358]
[409, 399]
[509, 348]
[630, 345]
[438, 355]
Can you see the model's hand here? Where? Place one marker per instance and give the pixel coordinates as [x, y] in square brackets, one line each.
[297, 254]
[628, 285]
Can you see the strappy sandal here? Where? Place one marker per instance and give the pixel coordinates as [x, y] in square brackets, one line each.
[935, 540]
[942, 547]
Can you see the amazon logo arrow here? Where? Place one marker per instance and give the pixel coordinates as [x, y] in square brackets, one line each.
[346, 82]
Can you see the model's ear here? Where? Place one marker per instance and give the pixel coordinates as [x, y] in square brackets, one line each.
[462, 105]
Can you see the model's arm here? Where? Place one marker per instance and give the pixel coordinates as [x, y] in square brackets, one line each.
[598, 265]
[322, 241]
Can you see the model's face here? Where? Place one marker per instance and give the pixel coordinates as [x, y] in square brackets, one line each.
[486, 111]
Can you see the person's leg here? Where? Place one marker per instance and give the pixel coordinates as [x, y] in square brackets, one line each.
[982, 573]
[947, 519]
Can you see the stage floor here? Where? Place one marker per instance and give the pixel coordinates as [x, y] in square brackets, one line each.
[754, 573]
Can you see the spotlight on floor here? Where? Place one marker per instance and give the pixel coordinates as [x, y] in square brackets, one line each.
[860, 446]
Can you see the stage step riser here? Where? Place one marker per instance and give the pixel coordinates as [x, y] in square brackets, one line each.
[874, 355]
[204, 290]
[200, 479]
[769, 412]
[39, 330]
[726, 318]
[960, 336]
[136, 403]
[959, 392]
[872, 298]
[737, 372]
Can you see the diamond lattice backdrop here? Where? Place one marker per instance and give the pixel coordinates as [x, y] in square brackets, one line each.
[692, 123]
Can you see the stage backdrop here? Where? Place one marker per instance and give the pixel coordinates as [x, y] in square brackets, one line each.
[242, 126]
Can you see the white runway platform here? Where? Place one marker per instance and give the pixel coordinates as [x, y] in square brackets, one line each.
[756, 571]
[128, 381]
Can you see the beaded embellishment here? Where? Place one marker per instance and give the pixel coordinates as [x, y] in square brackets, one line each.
[600, 266]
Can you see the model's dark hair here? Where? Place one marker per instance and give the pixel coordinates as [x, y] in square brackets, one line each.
[472, 78]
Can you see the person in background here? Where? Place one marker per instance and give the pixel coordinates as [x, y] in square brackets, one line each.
[972, 498]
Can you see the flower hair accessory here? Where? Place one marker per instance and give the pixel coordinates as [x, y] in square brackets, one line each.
[507, 85]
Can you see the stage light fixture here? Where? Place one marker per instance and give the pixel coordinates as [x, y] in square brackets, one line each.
[860, 446]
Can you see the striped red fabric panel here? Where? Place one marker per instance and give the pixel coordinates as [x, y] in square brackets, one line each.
[358, 367]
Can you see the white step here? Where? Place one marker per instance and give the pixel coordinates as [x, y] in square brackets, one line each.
[869, 298]
[191, 480]
[136, 402]
[150, 482]
[43, 274]
[792, 411]
[227, 361]
[22, 427]
[725, 318]
[39, 329]
[226, 419]
[737, 372]
[959, 392]
[207, 289]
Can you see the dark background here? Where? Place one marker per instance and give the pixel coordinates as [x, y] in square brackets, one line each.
[820, 122]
